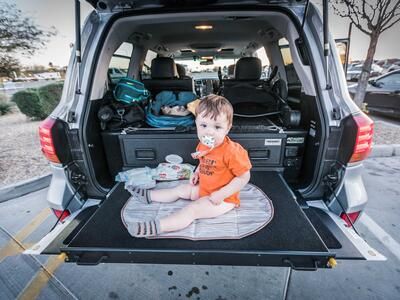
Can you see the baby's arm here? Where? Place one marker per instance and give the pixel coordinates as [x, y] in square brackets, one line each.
[232, 187]
[194, 178]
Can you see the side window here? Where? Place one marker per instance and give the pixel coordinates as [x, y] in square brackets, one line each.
[262, 55]
[392, 80]
[342, 46]
[119, 64]
[146, 73]
[291, 74]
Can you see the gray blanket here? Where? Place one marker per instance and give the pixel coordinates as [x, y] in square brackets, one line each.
[255, 212]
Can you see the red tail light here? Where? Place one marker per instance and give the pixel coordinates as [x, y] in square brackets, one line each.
[46, 140]
[352, 216]
[59, 212]
[363, 144]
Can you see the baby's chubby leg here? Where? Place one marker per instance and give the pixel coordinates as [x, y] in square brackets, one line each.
[184, 191]
[199, 209]
[153, 227]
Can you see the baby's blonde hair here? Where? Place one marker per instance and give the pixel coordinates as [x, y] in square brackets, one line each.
[213, 105]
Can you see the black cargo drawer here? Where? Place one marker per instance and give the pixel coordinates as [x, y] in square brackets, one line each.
[265, 149]
[140, 150]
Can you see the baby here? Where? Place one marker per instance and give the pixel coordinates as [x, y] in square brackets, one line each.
[224, 169]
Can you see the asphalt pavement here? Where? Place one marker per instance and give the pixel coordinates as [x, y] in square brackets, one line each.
[24, 220]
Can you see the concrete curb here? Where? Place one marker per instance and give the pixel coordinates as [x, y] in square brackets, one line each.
[24, 187]
[385, 150]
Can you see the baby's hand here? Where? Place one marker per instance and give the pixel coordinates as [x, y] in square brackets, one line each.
[215, 198]
[194, 178]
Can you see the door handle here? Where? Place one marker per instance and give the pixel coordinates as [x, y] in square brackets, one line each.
[145, 154]
[259, 153]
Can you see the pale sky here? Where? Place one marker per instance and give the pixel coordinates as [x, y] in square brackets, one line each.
[60, 14]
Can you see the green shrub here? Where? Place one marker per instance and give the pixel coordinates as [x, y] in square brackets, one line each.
[3, 98]
[28, 103]
[5, 108]
[49, 96]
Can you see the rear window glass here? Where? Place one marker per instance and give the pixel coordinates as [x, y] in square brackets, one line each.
[204, 67]
[119, 63]
[291, 74]
[262, 55]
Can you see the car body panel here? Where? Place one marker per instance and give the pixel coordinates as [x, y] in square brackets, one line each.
[118, 5]
[366, 250]
[351, 191]
[60, 192]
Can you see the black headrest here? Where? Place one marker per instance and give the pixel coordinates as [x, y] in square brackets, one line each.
[248, 68]
[163, 68]
[181, 70]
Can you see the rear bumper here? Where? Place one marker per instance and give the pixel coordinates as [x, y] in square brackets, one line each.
[60, 192]
[351, 192]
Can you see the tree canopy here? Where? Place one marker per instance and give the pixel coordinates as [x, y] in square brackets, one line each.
[371, 17]
[19, 35]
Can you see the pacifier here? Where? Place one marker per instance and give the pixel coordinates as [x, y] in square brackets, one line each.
[207, 140]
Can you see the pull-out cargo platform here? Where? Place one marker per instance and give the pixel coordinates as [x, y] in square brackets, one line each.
[97, 235]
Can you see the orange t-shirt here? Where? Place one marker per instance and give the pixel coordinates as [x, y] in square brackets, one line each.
[218, 167]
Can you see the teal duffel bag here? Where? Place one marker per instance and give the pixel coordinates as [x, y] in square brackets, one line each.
[129, 90]
[168, 98]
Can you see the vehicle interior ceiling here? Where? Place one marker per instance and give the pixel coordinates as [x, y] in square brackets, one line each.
[233, 35]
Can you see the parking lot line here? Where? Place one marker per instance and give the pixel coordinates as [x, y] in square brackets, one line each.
[37, 220]
[391, 244]
[12, 248]
[42, 277]
[15, 245]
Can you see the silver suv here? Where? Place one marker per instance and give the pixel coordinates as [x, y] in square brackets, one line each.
[305, 137]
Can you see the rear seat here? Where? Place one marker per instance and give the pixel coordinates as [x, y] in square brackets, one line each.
[248, 69]
[247, 85]
[164, 77]
[182, 72]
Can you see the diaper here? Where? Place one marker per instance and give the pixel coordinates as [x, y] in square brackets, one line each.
[146, 177]
[142, 177]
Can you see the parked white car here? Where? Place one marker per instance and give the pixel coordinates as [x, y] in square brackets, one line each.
[354, 71]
